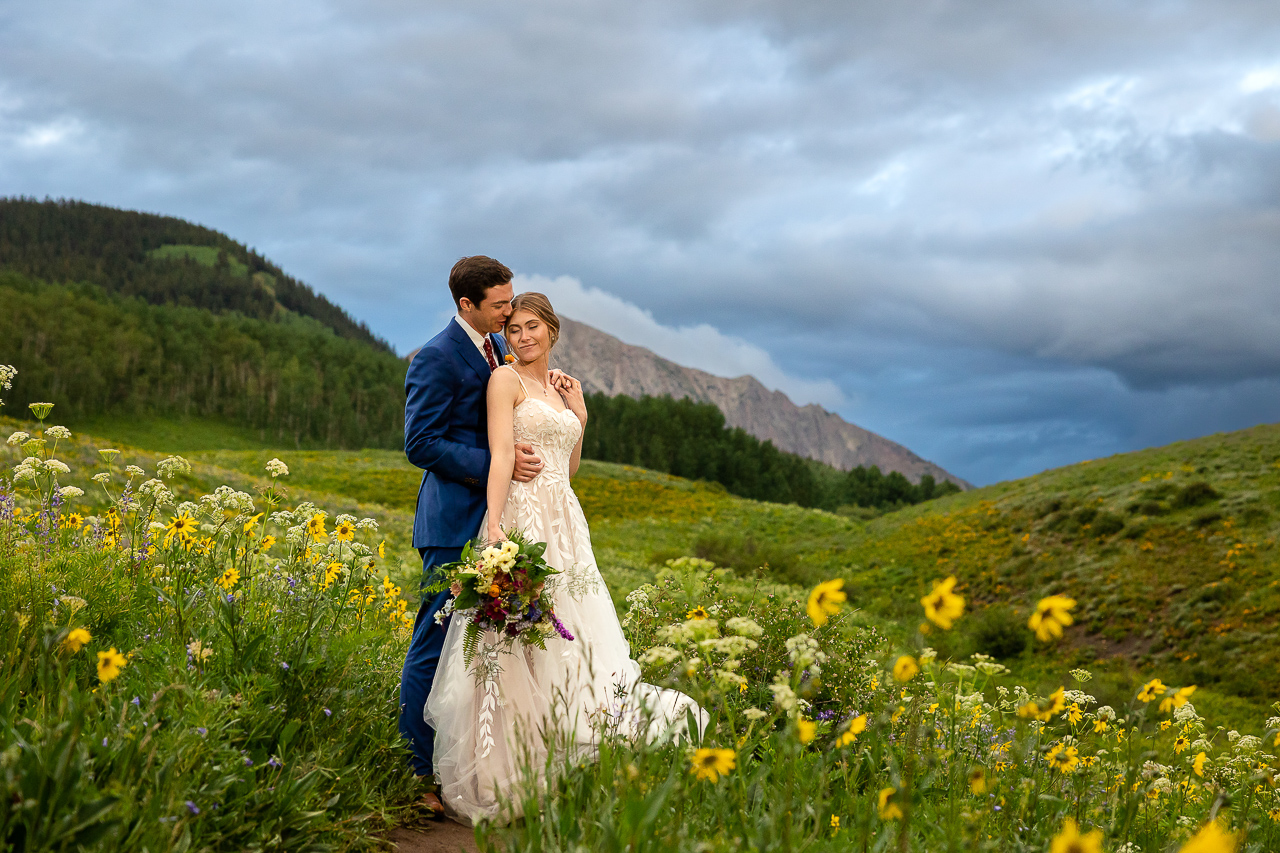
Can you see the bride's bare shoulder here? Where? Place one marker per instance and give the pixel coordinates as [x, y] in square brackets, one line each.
[504, 386]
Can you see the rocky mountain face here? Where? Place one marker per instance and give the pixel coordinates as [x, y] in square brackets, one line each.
[606, 365]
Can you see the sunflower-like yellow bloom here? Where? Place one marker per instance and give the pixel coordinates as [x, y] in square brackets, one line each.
[315, 526]
[182, 526]
[1176, 699]
[1197, 766]
[1062, 758]
[1211, 839]
[696, 613]
[110, 663]
[229, 578]
[1153, 688]
[1053, 705]
[905, 669]
[1051, 617]
[805, 729]
[252, 523]
[889, 810]
[978, 780]
[345, 531]
[76, 639]
[711, 764]
[857, 726]
[1069, 840]
[825, 601]
[942, 606]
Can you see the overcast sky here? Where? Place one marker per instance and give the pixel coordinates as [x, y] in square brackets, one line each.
[1008, 234]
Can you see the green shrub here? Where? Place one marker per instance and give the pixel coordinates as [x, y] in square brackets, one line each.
[1000, 632]
[1195, 494]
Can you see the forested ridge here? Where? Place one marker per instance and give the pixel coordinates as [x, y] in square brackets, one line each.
[111, 312]
[124, 252]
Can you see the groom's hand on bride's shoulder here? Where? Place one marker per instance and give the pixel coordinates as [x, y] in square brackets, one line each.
[528, 464]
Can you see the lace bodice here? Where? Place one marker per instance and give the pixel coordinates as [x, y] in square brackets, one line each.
[553, 434]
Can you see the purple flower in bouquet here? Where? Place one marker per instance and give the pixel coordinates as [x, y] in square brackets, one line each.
[559, 626]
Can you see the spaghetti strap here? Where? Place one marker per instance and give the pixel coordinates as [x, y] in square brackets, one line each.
[518, 379]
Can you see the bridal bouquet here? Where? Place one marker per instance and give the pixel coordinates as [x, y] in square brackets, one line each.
[502, 588]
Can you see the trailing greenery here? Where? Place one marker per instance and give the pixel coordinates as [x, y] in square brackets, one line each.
[691, 440]
[292, 380]
[160, 259]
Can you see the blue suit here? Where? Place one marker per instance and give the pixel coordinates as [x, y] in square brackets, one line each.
[446, 433]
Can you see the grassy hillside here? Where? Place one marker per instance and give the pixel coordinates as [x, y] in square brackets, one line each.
[1170, 552]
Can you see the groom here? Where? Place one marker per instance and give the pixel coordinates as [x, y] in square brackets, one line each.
[446, 434]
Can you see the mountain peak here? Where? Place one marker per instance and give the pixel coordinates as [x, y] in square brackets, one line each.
[606, 365]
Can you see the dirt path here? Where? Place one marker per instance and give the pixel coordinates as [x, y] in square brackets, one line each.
[443, 837]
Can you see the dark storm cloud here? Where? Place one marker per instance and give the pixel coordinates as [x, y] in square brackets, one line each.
[1008, 234]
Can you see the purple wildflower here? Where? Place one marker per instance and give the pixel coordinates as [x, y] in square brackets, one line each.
[203, 731]
[274, 762]
[192, 807]
[248, 762]
[135, 702]
[559, 626]
[328, 713]
[284, 665]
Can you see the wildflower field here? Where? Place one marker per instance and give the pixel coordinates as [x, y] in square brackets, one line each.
[202, 652]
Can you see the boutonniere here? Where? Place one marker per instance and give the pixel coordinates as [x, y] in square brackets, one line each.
[508, 358]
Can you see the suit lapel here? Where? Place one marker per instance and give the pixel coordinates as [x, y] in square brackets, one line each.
[500, 347]
[470, 354]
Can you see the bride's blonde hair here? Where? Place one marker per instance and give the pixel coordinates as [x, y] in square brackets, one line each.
[539, 306]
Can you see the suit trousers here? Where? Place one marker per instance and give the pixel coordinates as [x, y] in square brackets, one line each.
[421, 661]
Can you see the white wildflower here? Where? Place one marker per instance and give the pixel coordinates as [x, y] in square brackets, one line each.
[1233, 736]
[24, 471]
[732, 646]
[156, 527]
[963, 670]
[675, 634]
[157, 491]
[58, 433]
[743, 627]
[57, 465]
[359, 549]
[101, 479]
[367, 524]
[1199, 745]
[1081, 675]
[276, 468]
[75, 602]
[172, 467]
[755, 714]
[134, 471]
[18, 438]
[966, 705]
[282, 518]
[1081, 698]
[1184, 714]
[1162, 785]
[186, 508]
[1248, 743]
[926, 655]
[728, 680]
[71, 492]
[804, 651]
[351, 519]
[638, 602]
[1106, 712]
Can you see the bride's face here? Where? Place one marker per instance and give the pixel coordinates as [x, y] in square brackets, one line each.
[528, 337]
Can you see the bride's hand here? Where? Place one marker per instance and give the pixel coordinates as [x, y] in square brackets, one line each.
[495, 535]
[571, 392]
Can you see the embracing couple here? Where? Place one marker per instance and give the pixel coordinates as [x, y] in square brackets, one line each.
[499, 434]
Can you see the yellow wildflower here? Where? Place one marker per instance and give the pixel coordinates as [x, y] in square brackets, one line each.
[1069, 840]
[1099, 726]
[825, 601]
[696, 613]
[978, 780]
[315, 526]
[889, 810]
[251, 524]
[1051, 617]
[183, 526]
[1074, 714]
[1197, 766]
[857, 726]
[229, 578]
[1151, 690]
[75, 640]
[382, 548]
[941, 606]
[1176, 699]
[1053, 705]
[1211, 839]
[265, 544]
[345, 531]
[905, 669]
[711, 764]
[1062, 758]
[805, 729]
[72, 521]
[835, 824]
[110, 663]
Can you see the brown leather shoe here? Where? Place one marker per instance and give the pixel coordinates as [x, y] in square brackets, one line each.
[431, 802]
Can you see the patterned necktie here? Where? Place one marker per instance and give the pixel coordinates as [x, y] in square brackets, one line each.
[488, 353]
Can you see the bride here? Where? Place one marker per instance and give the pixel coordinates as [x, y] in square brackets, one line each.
[497, 716]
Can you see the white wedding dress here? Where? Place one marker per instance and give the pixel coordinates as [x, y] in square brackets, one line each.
[488, 727]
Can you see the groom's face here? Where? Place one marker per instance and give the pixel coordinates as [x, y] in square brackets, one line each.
[492, 312]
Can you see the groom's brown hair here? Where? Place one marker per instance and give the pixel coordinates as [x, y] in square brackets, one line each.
[472, 277]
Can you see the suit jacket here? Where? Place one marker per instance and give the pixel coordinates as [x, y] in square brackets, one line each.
[446, 433]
